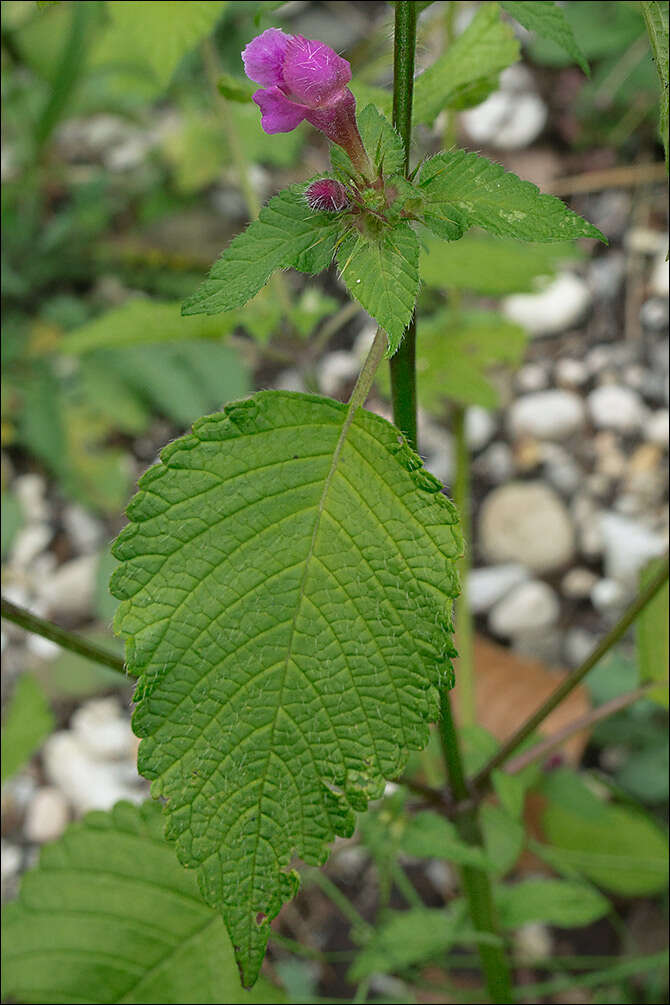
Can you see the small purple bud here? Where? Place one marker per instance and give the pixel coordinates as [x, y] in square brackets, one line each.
[327, 195]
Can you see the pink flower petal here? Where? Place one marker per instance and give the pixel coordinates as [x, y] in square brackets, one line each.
[313, 73]
[264, 55]
[279, 115]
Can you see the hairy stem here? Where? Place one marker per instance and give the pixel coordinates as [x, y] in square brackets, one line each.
[481, 781]
[68, 640]
[403, 364]
[476, 884]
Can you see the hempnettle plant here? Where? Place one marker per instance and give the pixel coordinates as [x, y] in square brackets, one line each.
[288, 570]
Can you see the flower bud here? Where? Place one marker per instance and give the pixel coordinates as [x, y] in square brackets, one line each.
[327, 195]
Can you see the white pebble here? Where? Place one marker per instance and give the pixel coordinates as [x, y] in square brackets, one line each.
[659, 283]
[578, 583]
[31, 493]
[608, 595]
[628, 546]
[578, 646]
[614, 407]
[479, 427]
[547, 415]
[531, 377]
[657, 428]
[562, 304]
[69, 590]
[102, 729]
[336, 369]
[526, 522]
[506, 121]
[29, 542]
[571, 372]
[486, 586]
[85, 532]
[527, 608]
[86, 783]
[47, 816]
[496, 463]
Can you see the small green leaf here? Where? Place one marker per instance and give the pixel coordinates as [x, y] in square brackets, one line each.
[287, 233]
[492, 266]
[110, 916]
[554, 901]
[652, 636]
[503, 838]
[468, 70]
[511, 791]
[28, 722]
[285, 588]
[155, 34]
[405, 938]
[656, 19]
[382, 273]
[429, 835]
[235, 88]
[549, 21]
[465, 190]
[615, 847]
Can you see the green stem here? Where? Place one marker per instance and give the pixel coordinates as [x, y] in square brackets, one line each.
[67, 640]
[465, 679]
[476, 883]
[403, 364]
[481, 781]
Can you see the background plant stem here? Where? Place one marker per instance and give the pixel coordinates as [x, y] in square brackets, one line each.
[68, 640]
[476, 884]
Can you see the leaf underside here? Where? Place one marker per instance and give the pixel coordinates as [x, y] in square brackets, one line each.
[109, 916]
[285, 584]
[549, 21]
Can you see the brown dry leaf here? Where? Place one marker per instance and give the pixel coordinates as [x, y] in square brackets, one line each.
[509, 687]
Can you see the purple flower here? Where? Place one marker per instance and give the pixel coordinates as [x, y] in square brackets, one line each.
[304, 79]
[327, 195]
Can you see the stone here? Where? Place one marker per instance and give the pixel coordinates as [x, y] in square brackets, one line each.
[578, 645]
[436, 448]
[30, 490]
[645, 241]
[608, 595]
[290, 380]
[102, 729]
[562, 304]
[510, 118]
[479, 427]
[659, 282]
[531, 377]
[610, 460]
[336, 370]
[571, 372]
[578, 583]
[657, 428]
[496, 463]
[547, 415]
[615, 407]
[29, 542]
[47, 815]
[529, 607]
[560, 469]
[532, 943]
[486, 586]
[85, 532]
[526, 522]
[606, 274]
[69, 591]
[628, 546]
[87, 784]
[654, 314]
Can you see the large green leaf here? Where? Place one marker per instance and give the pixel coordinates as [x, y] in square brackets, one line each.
[382, 273]
[156, 34]
[110, 916]
[285, 584]
[28, 722]
[468, 70]
[464, 190]
[492, 266]
[549, 21]
[656, 19]
[285, 234]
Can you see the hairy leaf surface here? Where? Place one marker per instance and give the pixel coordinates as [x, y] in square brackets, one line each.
[285, 585]
[109, 915]
[382, 273]
[287, 233]
[463, 190]
[656, 19]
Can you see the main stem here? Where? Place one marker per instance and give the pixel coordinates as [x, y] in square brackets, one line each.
[403, 364]
[476, 884]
